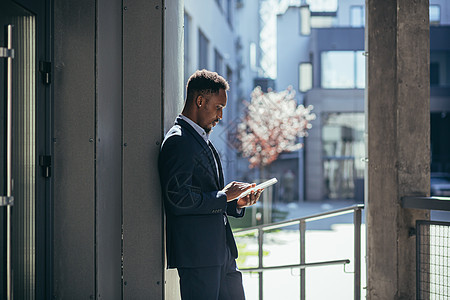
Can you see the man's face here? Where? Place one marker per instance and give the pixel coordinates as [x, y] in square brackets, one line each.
[210, 111]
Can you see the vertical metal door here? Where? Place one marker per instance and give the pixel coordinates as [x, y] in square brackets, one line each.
[17, 152]
[8, 199]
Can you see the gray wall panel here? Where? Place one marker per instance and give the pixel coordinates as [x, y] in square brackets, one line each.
[109, 149]
[74, 121]
[142, 128]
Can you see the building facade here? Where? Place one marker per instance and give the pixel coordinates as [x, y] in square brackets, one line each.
[223, 36]
[326, 66]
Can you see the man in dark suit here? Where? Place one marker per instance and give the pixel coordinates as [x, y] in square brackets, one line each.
[199, 240]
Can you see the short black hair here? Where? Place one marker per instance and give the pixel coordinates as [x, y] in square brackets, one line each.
[204, 82]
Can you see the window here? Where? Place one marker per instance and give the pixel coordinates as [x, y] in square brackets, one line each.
[435, 14]
[202, 51]
[323, 6]
[440, 68]
[228, 113]
[343, 70]
[187, 55]
[322, 21]
[228, 12]
[229, 74]
[439, 142]
[253, 65]
[305, 20]
[219, 3]
[218, 62]
[305, 77]
[357, 16]
[360, 70]
[343, 150]
[434, 73]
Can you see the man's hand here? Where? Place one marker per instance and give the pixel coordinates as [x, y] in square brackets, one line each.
[250, 199]
[234, 189]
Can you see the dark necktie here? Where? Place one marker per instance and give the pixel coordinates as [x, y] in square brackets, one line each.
[217, 163]
[219, 175]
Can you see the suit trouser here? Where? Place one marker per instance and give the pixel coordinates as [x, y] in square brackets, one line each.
[212, 283]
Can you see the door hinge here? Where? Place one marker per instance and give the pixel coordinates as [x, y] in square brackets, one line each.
[5, 52]
[45, 68]
[45, 161]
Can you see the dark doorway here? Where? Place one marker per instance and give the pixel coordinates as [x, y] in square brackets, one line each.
[24, 235]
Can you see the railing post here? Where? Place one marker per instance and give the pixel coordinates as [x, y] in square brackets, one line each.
[418, 243]
[357, 253]
[260, 262]
[302, 259]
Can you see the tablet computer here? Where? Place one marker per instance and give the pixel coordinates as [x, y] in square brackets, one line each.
[262, 185]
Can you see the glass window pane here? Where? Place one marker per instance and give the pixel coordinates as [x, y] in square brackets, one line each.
[338, 69]
[305, 20]
[440, 68]
[229, 11]
[343, 148]
[253, 56]
[219, 3]
[305, 77]
[435, 14]
[202, 51]
[322, 22]
[360, 70]
[357, 16]
[324, 5]
[218, 62]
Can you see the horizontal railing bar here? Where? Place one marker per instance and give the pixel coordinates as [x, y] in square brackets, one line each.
[432, 203]
[278, 225]
[313, 217]
[299, 266]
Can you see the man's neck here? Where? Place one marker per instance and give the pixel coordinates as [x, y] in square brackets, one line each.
[191, 115]
[196, 127]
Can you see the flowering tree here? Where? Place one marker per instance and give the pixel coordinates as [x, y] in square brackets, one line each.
[272, 125]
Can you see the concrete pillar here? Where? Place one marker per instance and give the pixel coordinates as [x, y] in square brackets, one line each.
[397, 107]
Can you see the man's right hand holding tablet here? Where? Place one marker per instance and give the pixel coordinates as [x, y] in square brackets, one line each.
[234, 189]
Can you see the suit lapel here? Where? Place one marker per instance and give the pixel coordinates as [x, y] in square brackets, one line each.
[206, 151]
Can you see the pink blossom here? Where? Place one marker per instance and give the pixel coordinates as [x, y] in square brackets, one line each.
[272, 125]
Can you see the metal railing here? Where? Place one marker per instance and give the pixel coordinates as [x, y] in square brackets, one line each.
[301, 222]
[433, 257]
[432, 249]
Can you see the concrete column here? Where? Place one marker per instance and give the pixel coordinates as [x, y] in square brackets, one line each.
[398, 120]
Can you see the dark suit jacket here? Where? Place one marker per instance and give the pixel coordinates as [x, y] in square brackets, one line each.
[195, 206]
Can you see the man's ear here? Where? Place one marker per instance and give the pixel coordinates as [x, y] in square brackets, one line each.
[199, 101]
